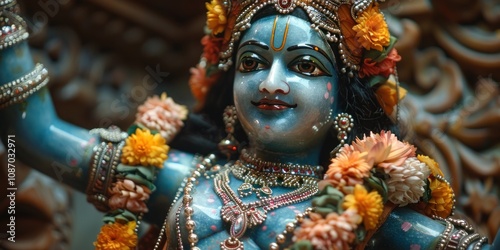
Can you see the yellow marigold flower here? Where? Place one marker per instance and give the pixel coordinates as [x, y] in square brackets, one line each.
[372, 31]
[116, 236]
[145, 149]
[216, 17]
[368, 205]
[442, 199]
[433, 165]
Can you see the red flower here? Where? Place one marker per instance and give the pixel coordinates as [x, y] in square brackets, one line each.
[211, 48]
[383, 68]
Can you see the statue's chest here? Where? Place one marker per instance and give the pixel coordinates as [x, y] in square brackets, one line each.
[209, 207]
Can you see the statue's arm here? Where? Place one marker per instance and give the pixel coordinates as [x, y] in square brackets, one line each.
[34, 134]
[406, 229]
[42, 140]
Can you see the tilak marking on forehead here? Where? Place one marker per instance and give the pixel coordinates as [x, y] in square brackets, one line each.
[285, 34]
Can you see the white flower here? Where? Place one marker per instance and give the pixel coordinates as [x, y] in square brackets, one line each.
[406, 182]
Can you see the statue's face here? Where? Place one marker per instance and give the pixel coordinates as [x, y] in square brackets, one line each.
[285, 87]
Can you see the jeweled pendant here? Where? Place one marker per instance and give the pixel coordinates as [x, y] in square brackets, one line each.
[266, 190]
[239, 225]
[231, 244]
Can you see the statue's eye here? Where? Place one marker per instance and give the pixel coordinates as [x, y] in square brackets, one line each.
[309, 66]
[251, 62]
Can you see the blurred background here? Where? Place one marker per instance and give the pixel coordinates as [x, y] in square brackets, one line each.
[106, 57]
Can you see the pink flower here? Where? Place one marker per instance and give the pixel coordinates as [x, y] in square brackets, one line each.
[127, 195]
[384, 149]
[163, 115]
[333, 232]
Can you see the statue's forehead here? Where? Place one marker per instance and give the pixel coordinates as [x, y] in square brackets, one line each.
[290, 28]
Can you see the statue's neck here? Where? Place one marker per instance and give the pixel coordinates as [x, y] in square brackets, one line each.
[308, 157]
[269, 162]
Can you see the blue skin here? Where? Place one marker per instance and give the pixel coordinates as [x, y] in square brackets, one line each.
[301, 76]
[63, 151]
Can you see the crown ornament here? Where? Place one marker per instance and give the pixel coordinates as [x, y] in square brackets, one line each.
[332, 17]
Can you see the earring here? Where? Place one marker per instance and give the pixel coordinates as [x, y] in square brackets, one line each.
[229, 145]
[343, 124]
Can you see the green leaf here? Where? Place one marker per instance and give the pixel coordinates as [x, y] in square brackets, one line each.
[379, 185]
[379, 56]
[119, 215]
[133, 128]
[302, 245]
[328, 201]
[427, 192]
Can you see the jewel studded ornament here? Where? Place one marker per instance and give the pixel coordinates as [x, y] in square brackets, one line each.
[322, 13]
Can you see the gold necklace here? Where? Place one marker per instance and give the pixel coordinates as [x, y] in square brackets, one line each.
[242, 216]
[254, 171]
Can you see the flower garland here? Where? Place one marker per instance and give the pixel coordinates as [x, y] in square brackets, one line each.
[367, 38]
[364, 177]
[145, 151]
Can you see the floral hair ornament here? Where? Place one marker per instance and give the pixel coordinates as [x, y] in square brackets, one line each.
[356, 27]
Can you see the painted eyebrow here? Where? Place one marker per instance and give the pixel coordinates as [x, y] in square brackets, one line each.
[256, 43]
[311, 47]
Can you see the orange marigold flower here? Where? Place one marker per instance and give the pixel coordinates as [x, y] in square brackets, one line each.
[116, 236]
[211, 48]
[384, 149]
[389, 94]
[384, 68]
[216, 17]
[372, 31]
[348, 168]
[368, 205]
[333, 232]
[442, 201]
[433, 165]
[145, 149]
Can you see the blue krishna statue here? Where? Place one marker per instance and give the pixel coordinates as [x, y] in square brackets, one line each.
[306, 155]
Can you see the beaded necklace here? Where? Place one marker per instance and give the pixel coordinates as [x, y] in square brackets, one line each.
[240, 215]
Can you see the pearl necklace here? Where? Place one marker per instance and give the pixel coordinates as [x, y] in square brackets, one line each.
[240, 215]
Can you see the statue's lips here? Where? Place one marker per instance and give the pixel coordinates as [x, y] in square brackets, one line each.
[272, 104]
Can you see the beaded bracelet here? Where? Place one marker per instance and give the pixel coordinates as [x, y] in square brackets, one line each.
[104, 165]
[13, 29]
[462, 238]
[18, 90]
[105, 160]
[9, 5]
